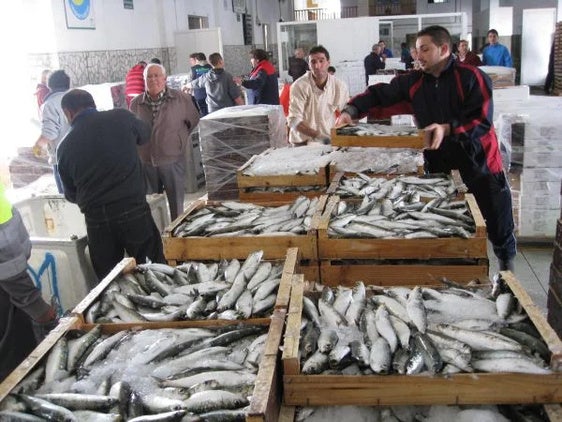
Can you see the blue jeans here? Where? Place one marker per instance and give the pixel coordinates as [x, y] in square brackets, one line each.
[119, 228]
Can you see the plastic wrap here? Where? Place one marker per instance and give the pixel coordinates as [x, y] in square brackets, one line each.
[25, 168]
[377, 160]
[231, 136]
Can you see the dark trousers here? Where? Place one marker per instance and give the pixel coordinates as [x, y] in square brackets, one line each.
[16, 335]
[201, 104]
[169, 178]
[493, 195]
[116, 229]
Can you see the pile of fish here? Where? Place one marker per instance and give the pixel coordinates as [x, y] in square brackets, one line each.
[373, 129]
[433, 413]
[243, 219]
[408, 331]
[377, 160]
[191, 374]
[397, 208]
[193, 290]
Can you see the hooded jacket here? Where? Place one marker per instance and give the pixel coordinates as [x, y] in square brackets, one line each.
[263, 84]
[220, 87]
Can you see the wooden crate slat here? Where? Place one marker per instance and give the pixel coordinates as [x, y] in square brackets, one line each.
[535, 314]
[289, 269]
[391, 390]
[334, 274]
[416, 142]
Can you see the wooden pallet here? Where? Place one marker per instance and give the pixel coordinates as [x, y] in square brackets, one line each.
[178, 249]
[388, 390]
[266, 398]
[330, 248]
[416, 142]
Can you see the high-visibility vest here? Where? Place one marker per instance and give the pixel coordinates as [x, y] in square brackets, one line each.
[5, 206]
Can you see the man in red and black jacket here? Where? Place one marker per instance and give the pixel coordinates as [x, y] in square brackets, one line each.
[452, 102]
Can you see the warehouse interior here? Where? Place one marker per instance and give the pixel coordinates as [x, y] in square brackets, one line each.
[98, 50]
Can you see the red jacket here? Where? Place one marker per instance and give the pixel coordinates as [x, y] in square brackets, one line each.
[134, 82]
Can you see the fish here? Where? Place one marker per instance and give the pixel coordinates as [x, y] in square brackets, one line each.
[101, 350]
[160, 417]
[75, 401]
[385, 328]
[47, 410]
[77, 348]
[327, 340]
[212, 400]
[416, 309]
[380, 358]
[316, 363]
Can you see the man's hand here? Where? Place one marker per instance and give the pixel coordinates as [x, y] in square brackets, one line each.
[434, 135]
[343, 119]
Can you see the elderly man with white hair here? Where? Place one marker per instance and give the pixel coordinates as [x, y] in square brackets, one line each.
[172, 117]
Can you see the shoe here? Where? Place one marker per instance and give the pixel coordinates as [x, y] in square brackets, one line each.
[507, 265]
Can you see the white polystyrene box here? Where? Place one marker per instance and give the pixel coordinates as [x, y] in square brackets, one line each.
[538, 222]
[518, 93]
[548, 174]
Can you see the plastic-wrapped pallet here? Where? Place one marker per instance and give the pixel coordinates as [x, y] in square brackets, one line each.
[231, 136]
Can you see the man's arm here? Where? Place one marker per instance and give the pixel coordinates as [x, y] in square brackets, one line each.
[297, 118]
[69, 188]
[141, 129]
[50, 125]
[257, 83]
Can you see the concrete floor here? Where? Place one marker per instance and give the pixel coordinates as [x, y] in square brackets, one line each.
[532, 270]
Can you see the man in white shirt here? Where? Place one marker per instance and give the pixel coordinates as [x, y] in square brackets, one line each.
[315, 98]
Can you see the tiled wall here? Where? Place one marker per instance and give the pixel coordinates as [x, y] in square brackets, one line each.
[94, 67]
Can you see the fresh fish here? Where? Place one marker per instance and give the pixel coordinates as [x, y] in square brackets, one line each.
[332, 317]
[102, 349]
[47, 410]
[13, 416]
[77, 348]
[315, 363]
[327, 340]
[479, 340]
[91, 416]
[360, 353]
[519, 365]
[385, 328]
[430, 354]
[505, 303]
[212, 400]
[355, 309]
[225, 379]
[339, 356]
[56, 365]
[416, 309]
[310, 310]
[380, 358]
[244, 304]
[161, 404]
[175, 415]
[74, 401]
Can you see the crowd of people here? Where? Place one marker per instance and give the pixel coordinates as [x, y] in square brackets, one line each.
[107, 161]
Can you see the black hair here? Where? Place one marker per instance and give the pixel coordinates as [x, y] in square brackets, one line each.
[319, 49]
[438, 34]
[258, 54]
[77, 100]
[331, 69]
[58, 81]
[493, 31]
[155, 60]
[201, 57]
[214, 59]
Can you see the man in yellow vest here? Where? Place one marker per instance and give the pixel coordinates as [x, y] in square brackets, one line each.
[17, 290]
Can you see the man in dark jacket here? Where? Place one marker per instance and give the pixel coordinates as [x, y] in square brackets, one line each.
[102, 173]
[453, 103]
[373, 62]
[199, 66]
[297, 64]
[262, 82]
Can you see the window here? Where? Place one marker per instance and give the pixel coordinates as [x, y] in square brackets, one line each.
[248, 29]
[197, 22]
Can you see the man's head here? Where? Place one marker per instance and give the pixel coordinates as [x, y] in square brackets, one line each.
[382, 44]
[331, 70]
[257, 55]
[216, 60]
[201, 57]
[376, 48]
[493, 37]
[58, 81]
[319, 61]
[76, 100]
[434, 46]
[155, 60]
[154, 79]
[299, 53]
[193, 59]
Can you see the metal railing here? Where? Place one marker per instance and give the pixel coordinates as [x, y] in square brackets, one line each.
[382, 8]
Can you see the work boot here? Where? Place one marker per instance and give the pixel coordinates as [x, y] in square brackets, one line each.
[507, 265]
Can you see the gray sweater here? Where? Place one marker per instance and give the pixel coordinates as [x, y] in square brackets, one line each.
[221, 89]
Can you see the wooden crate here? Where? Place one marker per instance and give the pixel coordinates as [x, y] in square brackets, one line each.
[336, 180]
[378, 141]
[292, 265]
[419, 249]
[388, 390]
[246, 184]
[266, 398]
[177, 249]
[553, 412]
